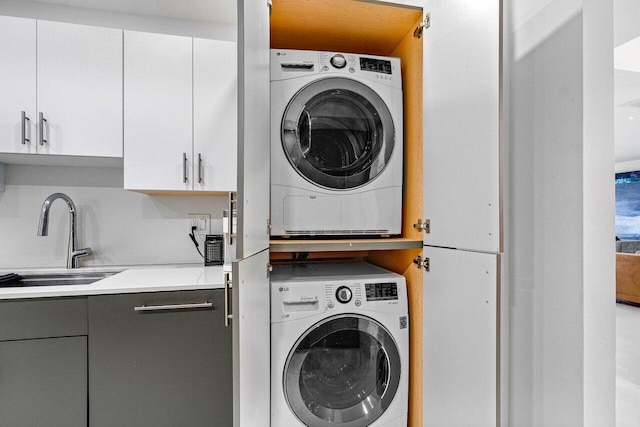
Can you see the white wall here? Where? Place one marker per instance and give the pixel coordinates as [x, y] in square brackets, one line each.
[202, 28]
[121, 227]
[561, 232]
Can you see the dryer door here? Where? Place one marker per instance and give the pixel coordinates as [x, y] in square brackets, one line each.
[337, 133]
[344, 371]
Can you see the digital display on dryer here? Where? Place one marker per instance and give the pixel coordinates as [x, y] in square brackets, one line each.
[381, 291]
[375, 65]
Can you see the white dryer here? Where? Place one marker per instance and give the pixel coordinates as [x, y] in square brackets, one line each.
[339, 346]
[336, 144]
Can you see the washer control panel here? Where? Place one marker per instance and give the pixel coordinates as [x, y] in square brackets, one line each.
[361, 294]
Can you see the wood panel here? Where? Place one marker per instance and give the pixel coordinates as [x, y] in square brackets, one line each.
[346, 244]
[401, 262]
[338, 25]
[628, 277]
[326, 255]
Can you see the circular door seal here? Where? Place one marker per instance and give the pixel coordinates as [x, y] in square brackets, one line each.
[343, 371]
[337, 133]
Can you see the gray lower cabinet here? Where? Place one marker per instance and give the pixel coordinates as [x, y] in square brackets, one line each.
[43, 363]
[156, 360]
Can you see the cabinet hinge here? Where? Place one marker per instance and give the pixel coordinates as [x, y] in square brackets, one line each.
[422, 263]
[426, 23]
[268, 226]
[269, 270]
[423, 225]
[270, 6]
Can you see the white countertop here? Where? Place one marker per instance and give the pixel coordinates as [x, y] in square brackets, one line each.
[131, 280]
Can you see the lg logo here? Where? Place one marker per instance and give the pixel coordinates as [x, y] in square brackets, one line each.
[283, 289]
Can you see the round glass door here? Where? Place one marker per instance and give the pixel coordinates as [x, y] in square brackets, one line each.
[344, 371]
[337, 133]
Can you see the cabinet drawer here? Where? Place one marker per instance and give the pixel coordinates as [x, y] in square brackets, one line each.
[43, 318]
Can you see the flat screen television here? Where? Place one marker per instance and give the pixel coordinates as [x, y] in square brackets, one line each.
[628, 205]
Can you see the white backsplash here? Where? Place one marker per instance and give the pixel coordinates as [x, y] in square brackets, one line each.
[122, 227]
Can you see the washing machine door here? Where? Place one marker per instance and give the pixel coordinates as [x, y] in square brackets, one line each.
[337, 133]
[344, 371]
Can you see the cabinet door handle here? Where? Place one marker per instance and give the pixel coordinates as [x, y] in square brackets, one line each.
[184, 167]
[233, 202]
[190, 306]
[25, 119]
[41, 129]
[200, 167]
[227, 305]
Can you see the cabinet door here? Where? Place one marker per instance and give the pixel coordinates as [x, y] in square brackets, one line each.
[253, 128]
[43, 382]
[460, 339]
[80, 89]
[168, 367]
[17, 84]
[158, 119]
[462, 128]
[215, 112]
[251, 342]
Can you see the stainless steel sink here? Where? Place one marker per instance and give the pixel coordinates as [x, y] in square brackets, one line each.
[58, 279]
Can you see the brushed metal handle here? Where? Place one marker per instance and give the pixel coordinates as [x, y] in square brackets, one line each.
[233, 201]
[23, 137]
[41, 129]
[190, 306]
[227, 306]
[200, 167]
[184, 167]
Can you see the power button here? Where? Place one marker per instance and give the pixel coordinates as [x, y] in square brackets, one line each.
[344, 294]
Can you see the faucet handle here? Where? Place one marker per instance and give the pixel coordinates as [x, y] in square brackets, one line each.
[81, 252]
[75, 255]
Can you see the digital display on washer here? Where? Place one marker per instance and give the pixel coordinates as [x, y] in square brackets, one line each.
[381, 291]
[375, 65]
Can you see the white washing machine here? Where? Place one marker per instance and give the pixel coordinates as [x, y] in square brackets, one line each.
[339, 346]
[336, 144]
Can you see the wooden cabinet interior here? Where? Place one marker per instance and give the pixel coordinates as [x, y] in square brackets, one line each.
[377, 29]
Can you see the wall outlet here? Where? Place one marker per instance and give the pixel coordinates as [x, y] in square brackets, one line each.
[202, 222]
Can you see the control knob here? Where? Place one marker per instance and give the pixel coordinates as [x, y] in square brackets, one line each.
[344, 294]
[338, 61]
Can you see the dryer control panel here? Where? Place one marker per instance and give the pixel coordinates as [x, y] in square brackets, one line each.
[288, 64]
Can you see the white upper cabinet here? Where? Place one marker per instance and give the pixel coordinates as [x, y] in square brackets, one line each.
[157, 112]
[180, 113]
[462, 129]
[79, 81]
[251, 312]
[75, 72]
[215, 112]
[254, 171]
[17, 85]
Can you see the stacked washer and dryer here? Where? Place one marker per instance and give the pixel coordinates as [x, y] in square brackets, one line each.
[339, 331]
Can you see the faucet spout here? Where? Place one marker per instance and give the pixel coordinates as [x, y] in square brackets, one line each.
[73, 253]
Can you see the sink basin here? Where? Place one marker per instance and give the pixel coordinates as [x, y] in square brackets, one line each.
[66, 278]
